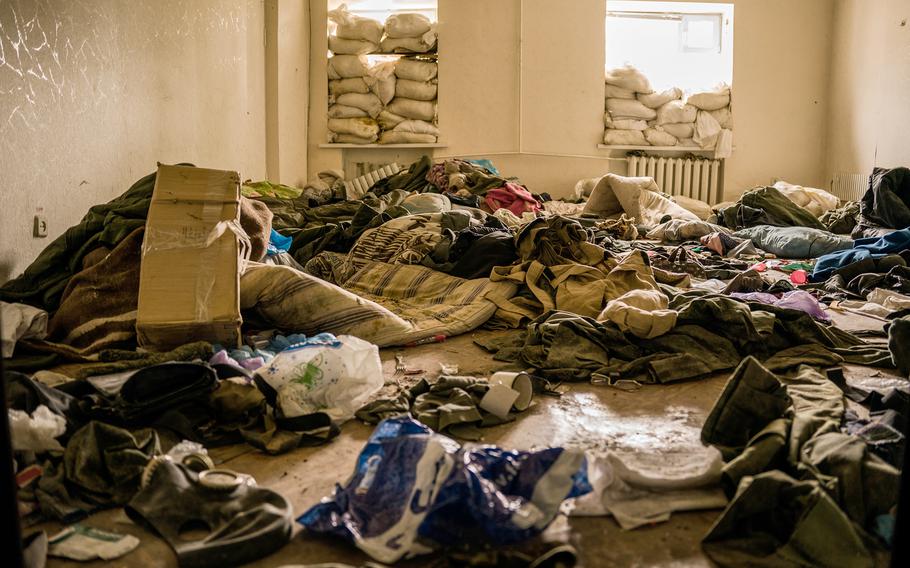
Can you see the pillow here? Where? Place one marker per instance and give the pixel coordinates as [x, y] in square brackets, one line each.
[295, 302]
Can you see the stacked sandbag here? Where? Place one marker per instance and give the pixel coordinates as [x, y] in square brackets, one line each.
[636, 115]
[626, 118]
[377, 103]
[714, 123]
[409, 33]
[410, 117]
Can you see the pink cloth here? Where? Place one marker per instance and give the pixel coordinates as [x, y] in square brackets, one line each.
[512, 197]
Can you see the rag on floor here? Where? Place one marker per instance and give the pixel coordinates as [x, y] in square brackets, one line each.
[513, 197]
[766, 206]
[769, 427]
[870, 248]
[20, 321]
[886, 204]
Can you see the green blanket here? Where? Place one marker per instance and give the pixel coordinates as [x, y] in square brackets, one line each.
[43, 282]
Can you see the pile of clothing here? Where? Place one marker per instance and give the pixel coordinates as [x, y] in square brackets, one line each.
[636, 115]
[623, 286]
[392, 101]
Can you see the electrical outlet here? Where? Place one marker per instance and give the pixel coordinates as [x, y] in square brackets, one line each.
[40, 228]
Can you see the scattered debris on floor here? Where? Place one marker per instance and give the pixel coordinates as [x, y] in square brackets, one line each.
[194, 318]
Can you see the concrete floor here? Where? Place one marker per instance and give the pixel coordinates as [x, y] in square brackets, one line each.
[655, 422]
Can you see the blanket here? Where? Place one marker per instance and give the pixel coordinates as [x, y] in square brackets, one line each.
[98, 308]
[886, 204]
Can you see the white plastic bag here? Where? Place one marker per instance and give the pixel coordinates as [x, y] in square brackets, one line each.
[334, 377]
[36, 433]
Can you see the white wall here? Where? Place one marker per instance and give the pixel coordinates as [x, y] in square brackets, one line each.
[93, 94]
[870, 81]
[520, 81]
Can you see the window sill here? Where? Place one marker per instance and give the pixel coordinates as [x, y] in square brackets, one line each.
[709, 152]
[381, 146]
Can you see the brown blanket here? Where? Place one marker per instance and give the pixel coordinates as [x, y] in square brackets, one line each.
[98, 307]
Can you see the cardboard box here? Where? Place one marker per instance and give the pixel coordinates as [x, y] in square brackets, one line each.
[189, 285]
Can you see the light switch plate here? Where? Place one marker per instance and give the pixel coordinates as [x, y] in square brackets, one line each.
[40, 228]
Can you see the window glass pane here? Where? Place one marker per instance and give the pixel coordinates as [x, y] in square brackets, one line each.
[675, 44]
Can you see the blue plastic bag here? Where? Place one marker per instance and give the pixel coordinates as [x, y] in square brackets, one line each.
[414, 490]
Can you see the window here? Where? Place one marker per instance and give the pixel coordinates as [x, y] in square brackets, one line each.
[383, 72]
[381, 9]
[675, 44]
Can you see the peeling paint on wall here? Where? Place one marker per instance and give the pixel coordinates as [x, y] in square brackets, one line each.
[93, 94]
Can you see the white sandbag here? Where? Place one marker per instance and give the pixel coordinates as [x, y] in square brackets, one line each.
[350, 139]
[353, 85]
[415, 70]
[409, 108]
[344, 111]
[624, 138]
[686, 143]
[656, 137]
[614, 92]
[657, 100]
[724, 146]
[417, 127]
[346, 66]
[381, 81]
[701, 209]
[368, 102]
[389, 120]
[627, 108]
[812, 199]
[421, 44]
[624, 123]
[417, 90]
[407, 25]
[676, 111]
[714, 99]
[362, 127]
[350, 26]
[679, 129]
[628, 77]
[613, 194]
[396, 137]
[723, 116]
[341, 46]
[706, 130]
[653, 207]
